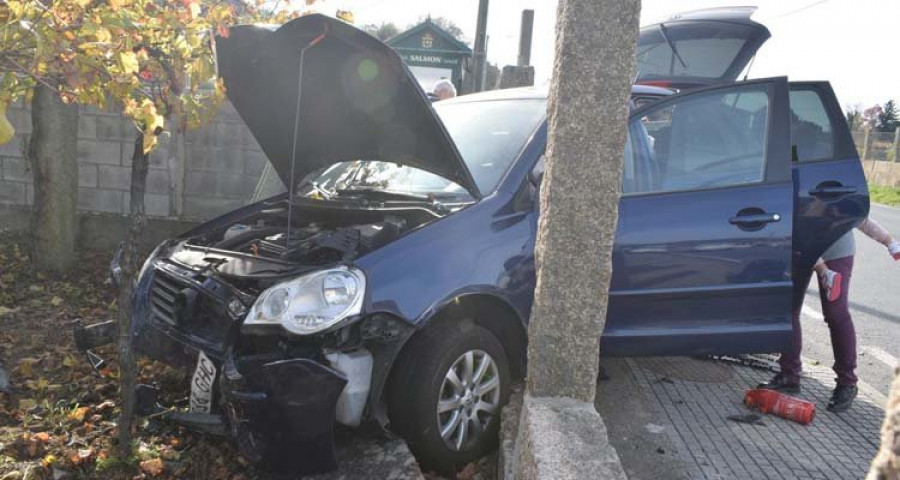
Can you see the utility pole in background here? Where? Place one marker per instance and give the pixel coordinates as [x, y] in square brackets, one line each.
[521, 74]
[525, 35]
[480, 45]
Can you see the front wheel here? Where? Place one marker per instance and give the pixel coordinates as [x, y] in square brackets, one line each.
[446, 396]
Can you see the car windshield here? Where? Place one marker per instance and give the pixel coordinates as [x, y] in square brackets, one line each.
[488, 134]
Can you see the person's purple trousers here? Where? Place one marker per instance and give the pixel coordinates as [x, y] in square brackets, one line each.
[843, 335]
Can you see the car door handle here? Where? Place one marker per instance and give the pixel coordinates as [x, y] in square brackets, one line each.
[755, 219]
[831, 190]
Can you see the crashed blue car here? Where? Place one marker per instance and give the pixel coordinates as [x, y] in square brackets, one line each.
[393, 283]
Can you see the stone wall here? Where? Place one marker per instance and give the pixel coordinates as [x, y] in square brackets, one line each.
[217, 170]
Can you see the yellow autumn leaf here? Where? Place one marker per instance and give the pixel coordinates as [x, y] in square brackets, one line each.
[102, 35]
[345, 15]
[26, 366]
[17, 7]
[41, 384]
[129, 62]
[154, 124]
[7, 132]
[48, 461]
[79, 413]
[153, 467]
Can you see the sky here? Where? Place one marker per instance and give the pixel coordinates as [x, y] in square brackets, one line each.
[851, 43]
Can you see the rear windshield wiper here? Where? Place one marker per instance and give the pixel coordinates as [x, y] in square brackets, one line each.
[665, 34]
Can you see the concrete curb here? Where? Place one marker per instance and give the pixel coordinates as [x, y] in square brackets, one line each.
[368, 453]
[557, 438]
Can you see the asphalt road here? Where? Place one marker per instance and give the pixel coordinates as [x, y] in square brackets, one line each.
[874, 304]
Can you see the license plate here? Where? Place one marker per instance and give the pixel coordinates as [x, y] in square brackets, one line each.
[202, 384]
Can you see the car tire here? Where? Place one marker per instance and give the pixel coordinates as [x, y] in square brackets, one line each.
[423, 384]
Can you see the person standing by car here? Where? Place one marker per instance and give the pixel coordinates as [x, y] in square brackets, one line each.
[444, 89]
[833, 271]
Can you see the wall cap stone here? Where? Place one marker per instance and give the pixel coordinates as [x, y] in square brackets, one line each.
[562, 439]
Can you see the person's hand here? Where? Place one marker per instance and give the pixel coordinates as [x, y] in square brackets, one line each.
[894, 249]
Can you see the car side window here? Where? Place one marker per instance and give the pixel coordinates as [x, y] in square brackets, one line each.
[812, 134]
[712, 140]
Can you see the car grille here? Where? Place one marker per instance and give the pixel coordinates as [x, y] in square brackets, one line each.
[202, 317]
[162, 296]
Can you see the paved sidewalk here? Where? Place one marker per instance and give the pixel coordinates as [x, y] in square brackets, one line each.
[674, 423]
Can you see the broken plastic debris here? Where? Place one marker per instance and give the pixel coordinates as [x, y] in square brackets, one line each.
[653, 428]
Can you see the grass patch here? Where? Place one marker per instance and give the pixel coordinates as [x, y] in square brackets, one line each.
[885, 195]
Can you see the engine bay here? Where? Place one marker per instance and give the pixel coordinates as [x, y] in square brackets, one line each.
[320, 234]
[311, 244]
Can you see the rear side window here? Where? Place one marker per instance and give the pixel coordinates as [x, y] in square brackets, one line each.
[812, 134]
[708, 141]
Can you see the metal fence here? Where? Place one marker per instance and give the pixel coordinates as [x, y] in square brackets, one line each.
[878, 146]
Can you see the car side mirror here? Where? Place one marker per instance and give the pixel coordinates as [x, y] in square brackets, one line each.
[537, 173]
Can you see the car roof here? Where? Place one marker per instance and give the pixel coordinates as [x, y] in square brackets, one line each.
[539, 93]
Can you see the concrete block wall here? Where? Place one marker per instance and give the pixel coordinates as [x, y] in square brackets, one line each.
[221, 166]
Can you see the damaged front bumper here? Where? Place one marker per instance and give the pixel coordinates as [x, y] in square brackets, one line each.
[279, 403]
[282, 413]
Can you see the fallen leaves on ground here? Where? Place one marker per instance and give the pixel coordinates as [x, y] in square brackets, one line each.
[61, 420]
[154, 466]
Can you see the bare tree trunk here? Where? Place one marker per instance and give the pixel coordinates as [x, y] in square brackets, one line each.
[127, 364]
[887, 463]
[587, 115]
[52, 152]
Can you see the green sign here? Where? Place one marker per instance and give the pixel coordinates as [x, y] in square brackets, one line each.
[427, 45]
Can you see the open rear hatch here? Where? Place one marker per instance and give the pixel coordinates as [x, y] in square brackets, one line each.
[699, 48]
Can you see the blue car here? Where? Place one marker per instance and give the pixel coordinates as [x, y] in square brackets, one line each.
[393, 283]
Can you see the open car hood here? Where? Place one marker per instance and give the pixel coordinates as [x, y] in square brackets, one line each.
[358, 101]
[714, 45]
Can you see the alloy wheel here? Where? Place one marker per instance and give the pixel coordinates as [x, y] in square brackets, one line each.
[469, 399]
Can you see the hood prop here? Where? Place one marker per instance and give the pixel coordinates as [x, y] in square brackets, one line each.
[293, 184]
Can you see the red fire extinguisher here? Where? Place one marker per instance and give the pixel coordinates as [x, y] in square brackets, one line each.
[785, 406]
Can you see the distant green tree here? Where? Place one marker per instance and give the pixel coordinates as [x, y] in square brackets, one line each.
[854, 117]
[383, 31]
[888, 118]
[447, 25]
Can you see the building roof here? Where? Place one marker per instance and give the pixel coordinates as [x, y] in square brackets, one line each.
[400, 40]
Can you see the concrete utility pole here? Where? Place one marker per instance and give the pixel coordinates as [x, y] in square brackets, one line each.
[587, 115]
[561, 435]
[525, 34]
[521, 75]
[480, 54]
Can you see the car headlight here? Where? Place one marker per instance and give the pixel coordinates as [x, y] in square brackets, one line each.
[311, 303]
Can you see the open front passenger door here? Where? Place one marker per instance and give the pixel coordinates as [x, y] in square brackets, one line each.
[703, 250]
